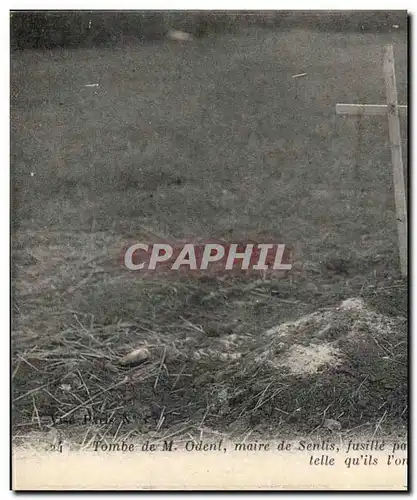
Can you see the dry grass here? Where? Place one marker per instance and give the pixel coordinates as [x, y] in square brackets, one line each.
[211, 372]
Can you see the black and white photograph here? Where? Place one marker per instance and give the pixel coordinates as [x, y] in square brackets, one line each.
[209, 250]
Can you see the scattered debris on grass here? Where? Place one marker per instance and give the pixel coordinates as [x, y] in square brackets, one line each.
[346, 362]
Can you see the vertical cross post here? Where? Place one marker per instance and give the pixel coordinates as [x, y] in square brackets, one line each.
[396, 156]
[392, 109]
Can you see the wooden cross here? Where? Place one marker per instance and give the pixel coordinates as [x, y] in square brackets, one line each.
[393, 110]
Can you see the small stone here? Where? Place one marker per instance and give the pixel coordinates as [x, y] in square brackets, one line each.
[179, 36]
[222, 395]
[136, 357]
[352, 304]
[332, 425]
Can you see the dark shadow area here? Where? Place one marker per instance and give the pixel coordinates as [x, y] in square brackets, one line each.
[49, 29]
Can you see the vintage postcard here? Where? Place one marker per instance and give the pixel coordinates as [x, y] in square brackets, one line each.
[209, 250]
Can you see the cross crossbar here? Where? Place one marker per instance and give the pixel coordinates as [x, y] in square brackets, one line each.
[367, 109]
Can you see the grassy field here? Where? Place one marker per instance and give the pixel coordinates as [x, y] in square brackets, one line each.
[214, 139]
